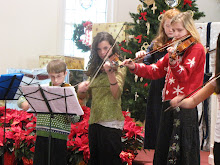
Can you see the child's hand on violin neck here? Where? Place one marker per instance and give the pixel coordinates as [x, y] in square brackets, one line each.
[129, 63]
[140, 55]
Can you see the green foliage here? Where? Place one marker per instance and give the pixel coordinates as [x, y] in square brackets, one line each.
[136, 28]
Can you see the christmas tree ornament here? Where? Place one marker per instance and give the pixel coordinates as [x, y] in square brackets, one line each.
[189, 2]
[149, 2]
[135, 78]
[144, 46]
[160, 17]
[154, 8]
[172, 3]
[191, 12]
[148, 28]
[141, 79]
[139, 8]
[136, 96]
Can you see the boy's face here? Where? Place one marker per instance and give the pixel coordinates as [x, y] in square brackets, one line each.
[57, 78]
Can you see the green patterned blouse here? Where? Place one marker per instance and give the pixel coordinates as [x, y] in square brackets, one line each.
[105, 107]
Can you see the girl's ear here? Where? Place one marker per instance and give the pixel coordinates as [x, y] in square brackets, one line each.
[65, 73]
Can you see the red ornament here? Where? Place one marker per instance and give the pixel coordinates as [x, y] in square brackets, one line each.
[163, 12]
[143, 16]
[139, 37]
[145, 85]
[189, 2]
[126, 50]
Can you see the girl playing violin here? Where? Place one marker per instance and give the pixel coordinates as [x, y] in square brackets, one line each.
[106, 118]
[154, 100]
[178, 136]
[204, 93]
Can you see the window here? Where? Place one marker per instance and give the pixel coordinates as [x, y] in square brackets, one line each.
[76, 12]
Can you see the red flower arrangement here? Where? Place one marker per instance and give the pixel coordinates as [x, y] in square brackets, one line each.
[20, 137]
[19, 134]
[78, 144]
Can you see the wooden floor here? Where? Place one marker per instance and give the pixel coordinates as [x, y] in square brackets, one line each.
[145, 157]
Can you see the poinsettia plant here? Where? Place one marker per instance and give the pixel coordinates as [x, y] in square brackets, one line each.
[18, 130]
[20, 137]
[78, 143]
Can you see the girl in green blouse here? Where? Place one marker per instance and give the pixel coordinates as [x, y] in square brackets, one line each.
[106, 118]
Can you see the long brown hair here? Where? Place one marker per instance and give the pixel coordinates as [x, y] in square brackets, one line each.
[217, 65]
[95, 61]
[161, 37]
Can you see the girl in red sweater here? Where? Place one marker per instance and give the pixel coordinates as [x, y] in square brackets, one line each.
[178, 136]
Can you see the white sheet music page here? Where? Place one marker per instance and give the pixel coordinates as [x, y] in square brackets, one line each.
[56, 98]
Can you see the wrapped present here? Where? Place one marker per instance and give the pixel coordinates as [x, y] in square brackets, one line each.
[71, 62]
[112, 28]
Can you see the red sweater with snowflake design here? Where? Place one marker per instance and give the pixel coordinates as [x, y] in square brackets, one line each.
[181, 78]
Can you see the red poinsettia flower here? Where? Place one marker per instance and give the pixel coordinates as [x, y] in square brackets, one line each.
[127, 157]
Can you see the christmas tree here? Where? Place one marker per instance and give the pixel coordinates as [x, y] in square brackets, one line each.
[140, 34]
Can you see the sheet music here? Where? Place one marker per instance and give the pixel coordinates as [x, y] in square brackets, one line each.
[35, 98]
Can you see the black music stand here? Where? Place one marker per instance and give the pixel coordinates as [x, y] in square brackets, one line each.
[52, 100]
[9, 85]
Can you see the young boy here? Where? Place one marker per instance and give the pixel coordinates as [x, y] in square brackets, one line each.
[60, 124]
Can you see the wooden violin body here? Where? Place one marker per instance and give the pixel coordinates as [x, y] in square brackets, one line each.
[182, 46]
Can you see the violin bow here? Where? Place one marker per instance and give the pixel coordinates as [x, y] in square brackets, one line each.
[106, 57]
[213, 78]
[162, 47]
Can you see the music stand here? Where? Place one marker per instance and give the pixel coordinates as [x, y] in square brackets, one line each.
[9, 85]
[52, 100]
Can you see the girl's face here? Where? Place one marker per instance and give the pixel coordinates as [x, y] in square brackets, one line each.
[168, 28]
[178, 30]
[102, 49]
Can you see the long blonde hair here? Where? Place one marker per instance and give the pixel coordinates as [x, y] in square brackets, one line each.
[187, 21]
[161, 37]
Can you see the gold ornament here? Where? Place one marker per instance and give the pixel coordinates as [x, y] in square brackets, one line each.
[148, 28]
[136, 96]
[144, 46]
[139, 8]
[154, 8]
[191, 12]
[135, 78]
[149, 2]
[160, 17]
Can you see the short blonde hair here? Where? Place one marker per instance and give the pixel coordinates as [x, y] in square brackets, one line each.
[188, 23]
[56, 66]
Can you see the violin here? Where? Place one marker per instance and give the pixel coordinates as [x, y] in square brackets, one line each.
[114, 61]
[171, 43]
[65, 85]
[182, 46]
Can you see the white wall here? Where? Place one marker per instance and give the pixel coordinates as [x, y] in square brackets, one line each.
[30, 28]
